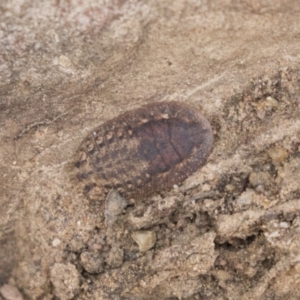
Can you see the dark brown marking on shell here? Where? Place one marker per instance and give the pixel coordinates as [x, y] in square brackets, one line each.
[144, 150]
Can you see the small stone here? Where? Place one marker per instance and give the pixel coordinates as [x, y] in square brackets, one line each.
[115, 257]
[271, 103]
[261, 114]
[145, 239]
[284, 225]
[288, 176]
[92, 262]
[260, 178]
[10, 292]
[206, 187]
[246, 198]
[78, 241]
[230, 187]
[65, 279]
[114, 206]
[278, 154]
[266, 105]
[56, 242]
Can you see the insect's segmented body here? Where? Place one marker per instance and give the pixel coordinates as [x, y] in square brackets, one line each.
[144, 150]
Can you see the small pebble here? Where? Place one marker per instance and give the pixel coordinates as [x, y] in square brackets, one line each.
[114, 206]
[271, 103]
[10, 292]
[115, 257]
[206, 187]
[66, 280]
[230, 187]
[246, 198]
[93, 263]
[284, 225]
[145, 239]
[260, 178]
[266, 105]
[261, 114]
[56, 242]
[278, 154]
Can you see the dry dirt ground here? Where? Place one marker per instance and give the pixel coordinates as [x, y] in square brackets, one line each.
[232, 229]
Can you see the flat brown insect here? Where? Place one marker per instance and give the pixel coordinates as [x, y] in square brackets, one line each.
[144, 150]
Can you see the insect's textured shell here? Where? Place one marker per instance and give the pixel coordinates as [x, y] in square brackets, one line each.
[144, 150]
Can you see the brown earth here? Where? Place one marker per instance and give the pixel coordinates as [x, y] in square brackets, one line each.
[232, 229]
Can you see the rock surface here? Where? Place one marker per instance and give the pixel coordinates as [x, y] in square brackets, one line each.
[231, 230]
